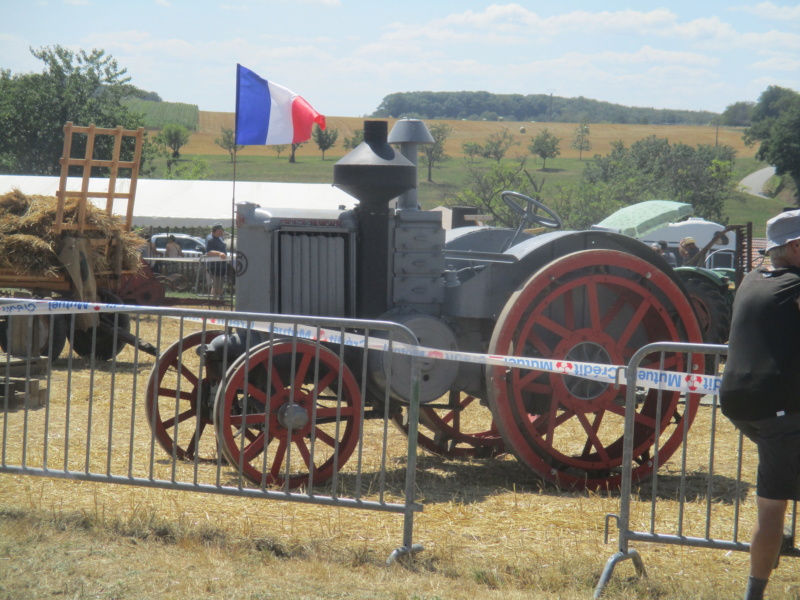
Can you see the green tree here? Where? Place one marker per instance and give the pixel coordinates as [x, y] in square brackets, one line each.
[174, 137]
[197, 169]
[485, 187]
[652, 168]
[776, 126]
[279, 148]
[354, 140]
[434, 153]
[545, 145]
[471, 150]
[738, 114]
[325, 139]
[85, 88]
[292, 158]
[580, 139]
[152, 150]
[227, 141]
[582, 205]
[497, 144]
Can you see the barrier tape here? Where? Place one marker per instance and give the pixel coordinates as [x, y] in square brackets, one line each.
[603, 373]
[188, 259]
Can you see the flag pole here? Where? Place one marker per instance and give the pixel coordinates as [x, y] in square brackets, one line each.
[233, 187]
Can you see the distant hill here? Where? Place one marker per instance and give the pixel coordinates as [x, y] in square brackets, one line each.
[485, 106]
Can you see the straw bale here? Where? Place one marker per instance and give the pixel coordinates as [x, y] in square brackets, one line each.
[30, 219]
[27, 255]
[13, 203]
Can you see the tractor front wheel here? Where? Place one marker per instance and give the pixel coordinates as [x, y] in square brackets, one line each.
[289, 415]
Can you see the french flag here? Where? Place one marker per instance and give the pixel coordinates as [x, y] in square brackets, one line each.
[267, 113]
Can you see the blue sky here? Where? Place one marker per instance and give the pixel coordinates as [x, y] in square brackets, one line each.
[344, 56]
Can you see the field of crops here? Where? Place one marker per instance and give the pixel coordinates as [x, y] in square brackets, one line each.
[158, 114]
[601, 136]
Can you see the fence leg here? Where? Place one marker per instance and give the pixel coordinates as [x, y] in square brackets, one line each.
[612, 562]
[411, 468]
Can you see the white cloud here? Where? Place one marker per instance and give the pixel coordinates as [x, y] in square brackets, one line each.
[648, 55]
[768, 10]
[514, 25]
[778, 63]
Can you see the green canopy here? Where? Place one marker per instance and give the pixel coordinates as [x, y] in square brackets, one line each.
[640, 219]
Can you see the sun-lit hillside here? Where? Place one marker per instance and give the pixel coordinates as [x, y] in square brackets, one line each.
[601, 135]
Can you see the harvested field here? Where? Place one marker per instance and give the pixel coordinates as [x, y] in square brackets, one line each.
[490, 529]
[601, 136]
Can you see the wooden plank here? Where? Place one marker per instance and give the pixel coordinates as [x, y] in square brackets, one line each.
[15, 366]
[56, 283]
[22, 393]
[62, 184]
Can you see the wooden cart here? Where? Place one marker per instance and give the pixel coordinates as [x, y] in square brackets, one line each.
[80, 279]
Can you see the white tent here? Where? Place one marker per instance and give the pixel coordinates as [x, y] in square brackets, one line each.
[180, 203]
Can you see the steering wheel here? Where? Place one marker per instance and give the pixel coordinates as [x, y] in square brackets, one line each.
[529, 215]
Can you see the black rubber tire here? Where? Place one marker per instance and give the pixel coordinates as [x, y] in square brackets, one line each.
[60, 327]
[104, 347]
[712, 308]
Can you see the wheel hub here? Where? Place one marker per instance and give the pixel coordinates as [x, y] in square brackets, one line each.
[590, 352]
[293, 416]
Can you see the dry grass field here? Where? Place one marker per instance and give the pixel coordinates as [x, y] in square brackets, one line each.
[601, 135]
[489, 528]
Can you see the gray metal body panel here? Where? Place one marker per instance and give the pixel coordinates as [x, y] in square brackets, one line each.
[298, 261]
[485, 285]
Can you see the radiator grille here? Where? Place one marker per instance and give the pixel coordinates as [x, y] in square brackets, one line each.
[312, 275]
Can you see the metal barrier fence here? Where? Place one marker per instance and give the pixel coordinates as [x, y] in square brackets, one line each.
[190, 274]
[268, 414]
[667, 507]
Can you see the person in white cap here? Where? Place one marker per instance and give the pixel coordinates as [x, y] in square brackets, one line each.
[760, 391]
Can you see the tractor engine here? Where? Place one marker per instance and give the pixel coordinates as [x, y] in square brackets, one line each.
[372, 262]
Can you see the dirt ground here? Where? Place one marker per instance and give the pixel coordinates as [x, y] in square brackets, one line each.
[489, 527]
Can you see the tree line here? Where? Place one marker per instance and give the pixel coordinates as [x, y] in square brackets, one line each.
[476, 106]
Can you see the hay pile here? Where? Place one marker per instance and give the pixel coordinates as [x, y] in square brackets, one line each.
[29, 246]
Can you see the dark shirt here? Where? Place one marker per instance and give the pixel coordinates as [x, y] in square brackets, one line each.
[670, 258]
[216, 243]
[762, 372]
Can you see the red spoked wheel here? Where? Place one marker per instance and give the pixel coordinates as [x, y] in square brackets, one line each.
[600, 307]
[463, 428]
[288, 420]
[180, 399]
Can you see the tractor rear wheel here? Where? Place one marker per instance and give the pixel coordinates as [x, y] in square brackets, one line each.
[598, 307]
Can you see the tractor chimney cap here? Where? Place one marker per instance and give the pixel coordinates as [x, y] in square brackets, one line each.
[410, 131]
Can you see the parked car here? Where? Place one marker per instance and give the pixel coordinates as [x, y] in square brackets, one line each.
[191, 246]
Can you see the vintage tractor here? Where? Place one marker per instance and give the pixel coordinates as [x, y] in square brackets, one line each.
[586, 296]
